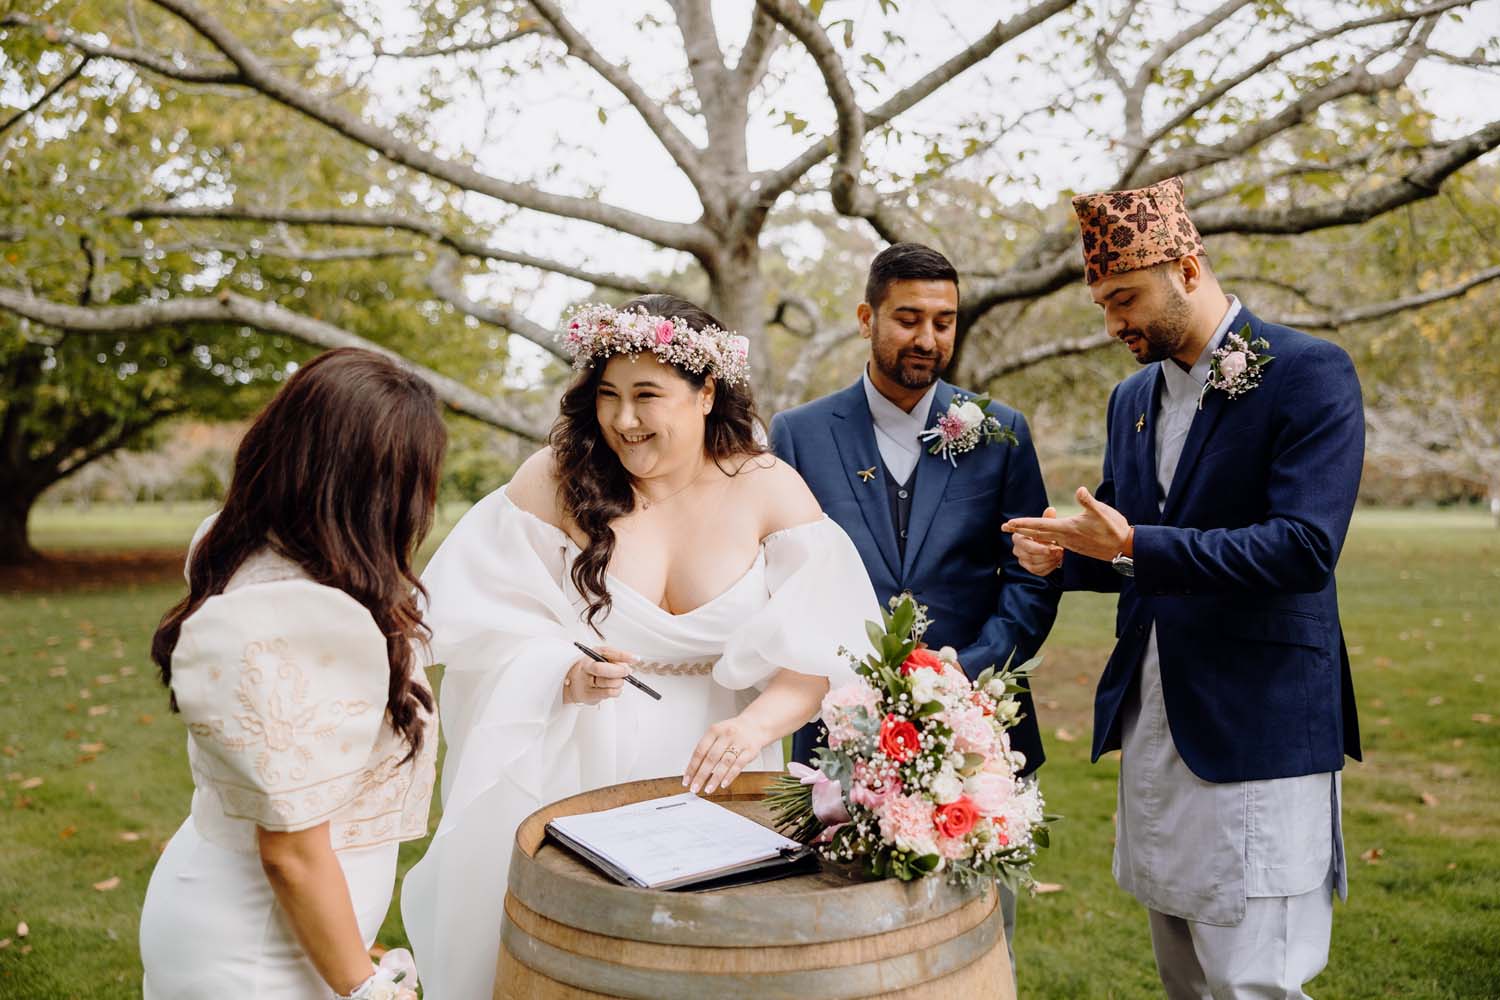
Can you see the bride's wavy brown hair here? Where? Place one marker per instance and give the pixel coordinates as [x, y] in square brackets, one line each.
[594, 489]
[339, 474]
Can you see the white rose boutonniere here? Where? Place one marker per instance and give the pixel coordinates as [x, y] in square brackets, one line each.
[965, 427]
[1236, 366]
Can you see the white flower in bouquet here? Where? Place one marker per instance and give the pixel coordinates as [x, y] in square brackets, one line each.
[925, 686]
[990, 792]
[946, 787]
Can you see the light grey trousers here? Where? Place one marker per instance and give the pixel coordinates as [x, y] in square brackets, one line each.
[1280, 945]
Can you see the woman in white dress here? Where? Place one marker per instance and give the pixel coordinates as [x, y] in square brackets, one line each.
[657, 526]
[293, 661]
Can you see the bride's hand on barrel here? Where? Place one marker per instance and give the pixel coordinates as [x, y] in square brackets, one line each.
[588, 681]
[723, 752]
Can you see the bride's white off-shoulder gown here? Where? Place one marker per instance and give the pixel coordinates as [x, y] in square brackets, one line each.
[504, 614]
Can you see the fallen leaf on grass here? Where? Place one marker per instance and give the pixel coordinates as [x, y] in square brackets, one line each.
[22, 930]
[91, 747]
[1428, 799]
[85, 644]
[127, 671]
[31, 783]
[146, 719]
[25, 949]
[84, 758]
[4, 942]
[66, 832]
[113, 882]
[1373, 856]
[1044, 888]
[104, 679]
[1452, 866]
[58, 672]
[97, 710]
[1483, 718]
[129, 836]
[1065, 735]
[9, 750]
[1434, 701]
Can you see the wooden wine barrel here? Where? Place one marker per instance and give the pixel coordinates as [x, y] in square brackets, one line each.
[570, 933]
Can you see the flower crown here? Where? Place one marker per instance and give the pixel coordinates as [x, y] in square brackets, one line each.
[596, 331]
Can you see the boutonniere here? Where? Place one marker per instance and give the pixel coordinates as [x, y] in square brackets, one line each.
[965, 427]
[1236, 366]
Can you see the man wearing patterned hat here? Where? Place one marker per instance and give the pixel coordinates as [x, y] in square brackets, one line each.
[1230, 472]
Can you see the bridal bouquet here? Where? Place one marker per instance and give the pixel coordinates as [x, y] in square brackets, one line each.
[918, 776]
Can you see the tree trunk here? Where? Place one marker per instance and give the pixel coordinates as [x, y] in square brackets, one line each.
[737, 298]
[15, 512]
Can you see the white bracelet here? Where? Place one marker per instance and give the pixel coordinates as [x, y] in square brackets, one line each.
[360, 992]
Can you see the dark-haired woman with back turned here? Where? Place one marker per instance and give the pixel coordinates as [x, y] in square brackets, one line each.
[294, 661]
[657, 527]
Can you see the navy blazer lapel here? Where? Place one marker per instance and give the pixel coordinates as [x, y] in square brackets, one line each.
[932, 479]
[853, 430]
[1204, 421]
[1145, 445]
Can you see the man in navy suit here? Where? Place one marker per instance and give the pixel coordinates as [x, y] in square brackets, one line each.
[922, 523]
[1230, 472]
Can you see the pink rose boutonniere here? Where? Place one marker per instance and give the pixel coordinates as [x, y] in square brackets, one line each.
[965, 427]
[1236, 366]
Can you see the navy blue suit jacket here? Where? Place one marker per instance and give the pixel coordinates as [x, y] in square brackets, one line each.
[1236, 572]
[958, 562]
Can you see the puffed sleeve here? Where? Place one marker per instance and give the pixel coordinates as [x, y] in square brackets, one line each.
[821, 598]
[502, 629]
[283, 686]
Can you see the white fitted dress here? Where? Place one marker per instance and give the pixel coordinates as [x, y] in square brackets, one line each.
[283, 685]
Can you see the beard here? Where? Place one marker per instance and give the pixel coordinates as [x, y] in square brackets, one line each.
[1165, 333]
[908, 367]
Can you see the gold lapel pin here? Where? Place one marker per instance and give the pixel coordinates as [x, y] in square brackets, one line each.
[866, 475]
[1140, 423]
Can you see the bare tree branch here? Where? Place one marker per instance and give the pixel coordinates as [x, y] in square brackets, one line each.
[174, 66]
[369, 219]
[777, 182]
[755, 54]
[447, 284]
[227, 307]
[1359, 81]
[1214, 93]
[682, 151]
[46, 95]
[1036, 354]
[1363, 314]
[522, 30]
[255, 73]
[278, 250]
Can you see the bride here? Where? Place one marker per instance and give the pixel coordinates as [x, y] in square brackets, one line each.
[655, 525]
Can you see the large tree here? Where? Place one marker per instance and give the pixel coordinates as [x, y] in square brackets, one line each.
[1288, 118]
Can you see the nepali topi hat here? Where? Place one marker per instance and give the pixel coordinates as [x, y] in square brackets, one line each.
[1129, 230]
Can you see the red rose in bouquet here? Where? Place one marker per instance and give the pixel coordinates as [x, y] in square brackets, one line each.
[920, 658]
[956, 818]
[898, 739]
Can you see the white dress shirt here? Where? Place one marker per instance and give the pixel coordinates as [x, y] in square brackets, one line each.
[896, 430]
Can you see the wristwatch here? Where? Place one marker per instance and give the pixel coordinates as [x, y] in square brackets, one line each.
[1123, 565]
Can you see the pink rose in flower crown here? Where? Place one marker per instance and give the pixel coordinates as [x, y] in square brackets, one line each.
[665, 331]
[898, 739]
[956, 818]
[920, 658]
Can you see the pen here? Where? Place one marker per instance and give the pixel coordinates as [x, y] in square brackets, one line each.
[601, 658]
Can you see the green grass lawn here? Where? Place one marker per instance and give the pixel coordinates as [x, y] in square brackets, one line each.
[94, 775]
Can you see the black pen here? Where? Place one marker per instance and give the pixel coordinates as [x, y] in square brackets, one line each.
[601, 658]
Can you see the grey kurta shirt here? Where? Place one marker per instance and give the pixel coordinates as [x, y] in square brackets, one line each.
[1189, 847]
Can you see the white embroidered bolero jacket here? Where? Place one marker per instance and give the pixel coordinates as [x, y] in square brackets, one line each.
[283, 684]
